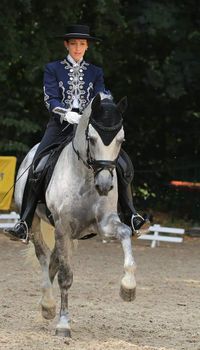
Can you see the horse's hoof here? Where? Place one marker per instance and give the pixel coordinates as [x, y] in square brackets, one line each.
[127, 294]
[48, 313]
[63, 332]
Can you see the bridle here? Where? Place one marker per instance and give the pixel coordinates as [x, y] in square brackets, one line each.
[97, 165]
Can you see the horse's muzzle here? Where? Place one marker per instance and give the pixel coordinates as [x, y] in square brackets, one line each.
[103, 182]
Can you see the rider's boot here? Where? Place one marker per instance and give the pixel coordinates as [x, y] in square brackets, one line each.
[29, 203]
[125, 175]
[30, 200]
[19, 232]
[139, 224]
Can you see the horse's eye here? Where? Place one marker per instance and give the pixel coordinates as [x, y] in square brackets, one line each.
[120, 141]
[92, 141]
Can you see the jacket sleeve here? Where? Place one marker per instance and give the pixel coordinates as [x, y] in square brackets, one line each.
[52, 97]
[99, 85]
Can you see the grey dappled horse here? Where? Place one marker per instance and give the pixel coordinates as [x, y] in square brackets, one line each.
[82, 197]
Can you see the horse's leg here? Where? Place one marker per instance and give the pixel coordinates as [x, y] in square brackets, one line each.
[65, 278]
[112, 227]
[128, 282]
[43, 253]
[54, 264]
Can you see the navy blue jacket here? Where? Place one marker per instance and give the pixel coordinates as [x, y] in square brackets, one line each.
[63, 81]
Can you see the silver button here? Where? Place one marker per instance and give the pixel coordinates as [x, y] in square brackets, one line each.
[71, 70]
[81, 78]
[71, 78]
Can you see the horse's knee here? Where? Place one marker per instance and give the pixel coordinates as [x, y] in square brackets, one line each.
[111, 226]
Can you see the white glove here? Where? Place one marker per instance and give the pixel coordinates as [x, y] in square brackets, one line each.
[67, 115]
[72, 117]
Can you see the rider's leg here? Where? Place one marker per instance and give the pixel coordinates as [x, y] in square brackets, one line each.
[125, 176]
[54, 133]
[29, 204]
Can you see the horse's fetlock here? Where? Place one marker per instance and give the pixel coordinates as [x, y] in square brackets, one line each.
[131, 268]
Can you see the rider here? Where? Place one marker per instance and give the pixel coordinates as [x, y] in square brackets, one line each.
[69, 85]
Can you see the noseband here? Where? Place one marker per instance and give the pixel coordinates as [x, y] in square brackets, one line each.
[98, 165]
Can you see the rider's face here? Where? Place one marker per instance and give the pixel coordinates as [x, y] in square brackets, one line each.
[76, 48]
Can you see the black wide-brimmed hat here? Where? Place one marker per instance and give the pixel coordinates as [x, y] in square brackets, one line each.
[78, 31]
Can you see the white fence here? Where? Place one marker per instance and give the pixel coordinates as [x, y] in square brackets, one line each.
[165, 234]
[8, 220]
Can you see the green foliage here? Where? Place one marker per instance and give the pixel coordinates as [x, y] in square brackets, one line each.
[150, 52]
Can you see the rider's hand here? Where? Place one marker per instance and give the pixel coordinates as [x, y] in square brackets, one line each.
[69, 116]
[72, 117]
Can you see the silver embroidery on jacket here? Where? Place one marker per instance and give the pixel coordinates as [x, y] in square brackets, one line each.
[76, 84]
[46, 98]
[61, 85]
[90, 87]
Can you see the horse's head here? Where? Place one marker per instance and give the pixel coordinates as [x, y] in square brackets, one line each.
[104, 137]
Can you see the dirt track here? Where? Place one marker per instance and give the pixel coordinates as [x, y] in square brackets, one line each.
[165, 314]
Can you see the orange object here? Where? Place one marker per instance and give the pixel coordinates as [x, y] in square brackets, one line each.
[186, 184]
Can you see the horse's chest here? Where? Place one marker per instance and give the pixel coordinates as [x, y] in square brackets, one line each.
[75, 198]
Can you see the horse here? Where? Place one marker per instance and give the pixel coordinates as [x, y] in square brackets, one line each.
[82, 197]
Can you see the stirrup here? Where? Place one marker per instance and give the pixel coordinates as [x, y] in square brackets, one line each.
[26, 239]
[136, 231]
[10, 232]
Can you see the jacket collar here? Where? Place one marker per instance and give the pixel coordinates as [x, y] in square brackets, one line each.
[73, 62]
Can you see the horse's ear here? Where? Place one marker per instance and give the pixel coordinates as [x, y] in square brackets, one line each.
[96, 102]
[122, 104]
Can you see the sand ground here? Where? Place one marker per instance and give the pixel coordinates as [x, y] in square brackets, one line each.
[165, 314]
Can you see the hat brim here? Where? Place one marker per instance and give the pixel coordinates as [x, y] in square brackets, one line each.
[77, 36]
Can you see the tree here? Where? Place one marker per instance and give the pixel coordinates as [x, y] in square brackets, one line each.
[150, 52]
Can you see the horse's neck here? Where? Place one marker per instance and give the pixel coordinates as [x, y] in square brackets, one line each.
[73, 156]
[80, 142]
